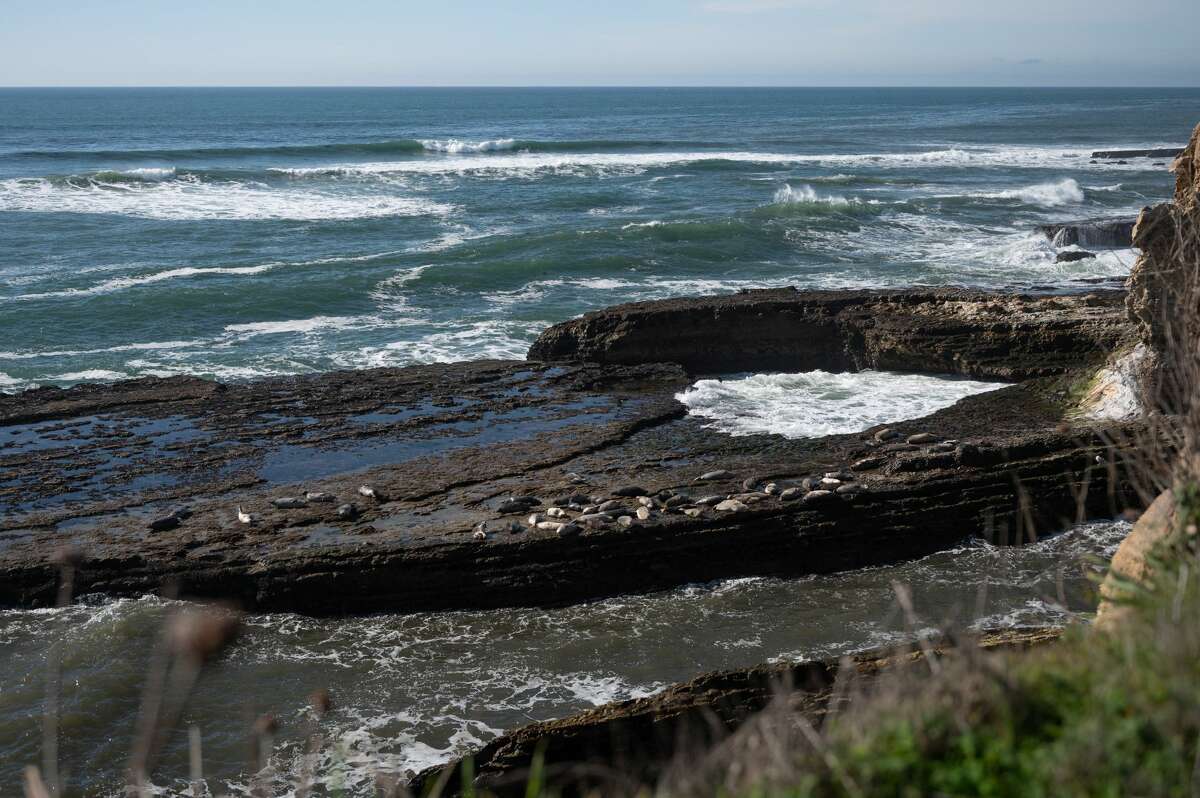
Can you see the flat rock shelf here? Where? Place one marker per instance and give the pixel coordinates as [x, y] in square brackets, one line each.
[411, 471]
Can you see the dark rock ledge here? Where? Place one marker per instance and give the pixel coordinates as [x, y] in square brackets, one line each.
[443, 446]
[616, 748]
[990, 335]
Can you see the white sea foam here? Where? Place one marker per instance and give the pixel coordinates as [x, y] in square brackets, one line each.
[132, 281]
[303, 325]
[121, 283]
[818, 403]
[519, 163]
[456, 146]
[89, 375]
[136, 347]
[150, 173]
[447, 343]
[188, 198]
[1048, 195]
[807, 195]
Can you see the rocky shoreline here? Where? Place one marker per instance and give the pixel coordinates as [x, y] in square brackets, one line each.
[392, 489]
[618, 747]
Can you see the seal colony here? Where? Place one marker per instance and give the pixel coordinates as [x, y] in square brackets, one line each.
[573, 475]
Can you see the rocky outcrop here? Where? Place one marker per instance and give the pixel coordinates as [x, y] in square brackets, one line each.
[1164, 285]
[1166, 152]
[1090, 233]
[1131, 564]
[147, 480]
[616, 748]
[943, 331]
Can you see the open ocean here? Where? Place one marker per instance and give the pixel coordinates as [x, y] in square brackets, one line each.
[235, 233]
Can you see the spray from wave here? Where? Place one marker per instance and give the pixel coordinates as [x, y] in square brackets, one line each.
[455, 146]
[1048, 195]
[807, 195]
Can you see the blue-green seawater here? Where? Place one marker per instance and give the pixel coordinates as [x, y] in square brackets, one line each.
[242, 232]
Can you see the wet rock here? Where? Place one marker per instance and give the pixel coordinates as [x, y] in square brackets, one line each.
[289, 503]
[1071, 256]
[1090, 233]
[165, 523]
[731, 506]
[921, 438]
[713, 476]
[1161, 152]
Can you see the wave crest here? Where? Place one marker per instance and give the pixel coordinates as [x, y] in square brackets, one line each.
[456, 146]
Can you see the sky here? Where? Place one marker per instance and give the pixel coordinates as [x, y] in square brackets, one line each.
[599, 42]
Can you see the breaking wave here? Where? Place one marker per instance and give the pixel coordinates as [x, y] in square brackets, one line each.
[817, 403]
[187, 197]
[1048, 195]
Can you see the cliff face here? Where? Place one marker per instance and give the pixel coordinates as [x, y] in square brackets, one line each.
[1165, 281]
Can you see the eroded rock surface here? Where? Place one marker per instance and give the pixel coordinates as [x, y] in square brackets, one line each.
[443, 449]
[940, 331]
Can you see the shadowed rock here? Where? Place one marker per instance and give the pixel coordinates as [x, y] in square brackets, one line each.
[943, 331]
[1166, 152]
[1090, 233]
